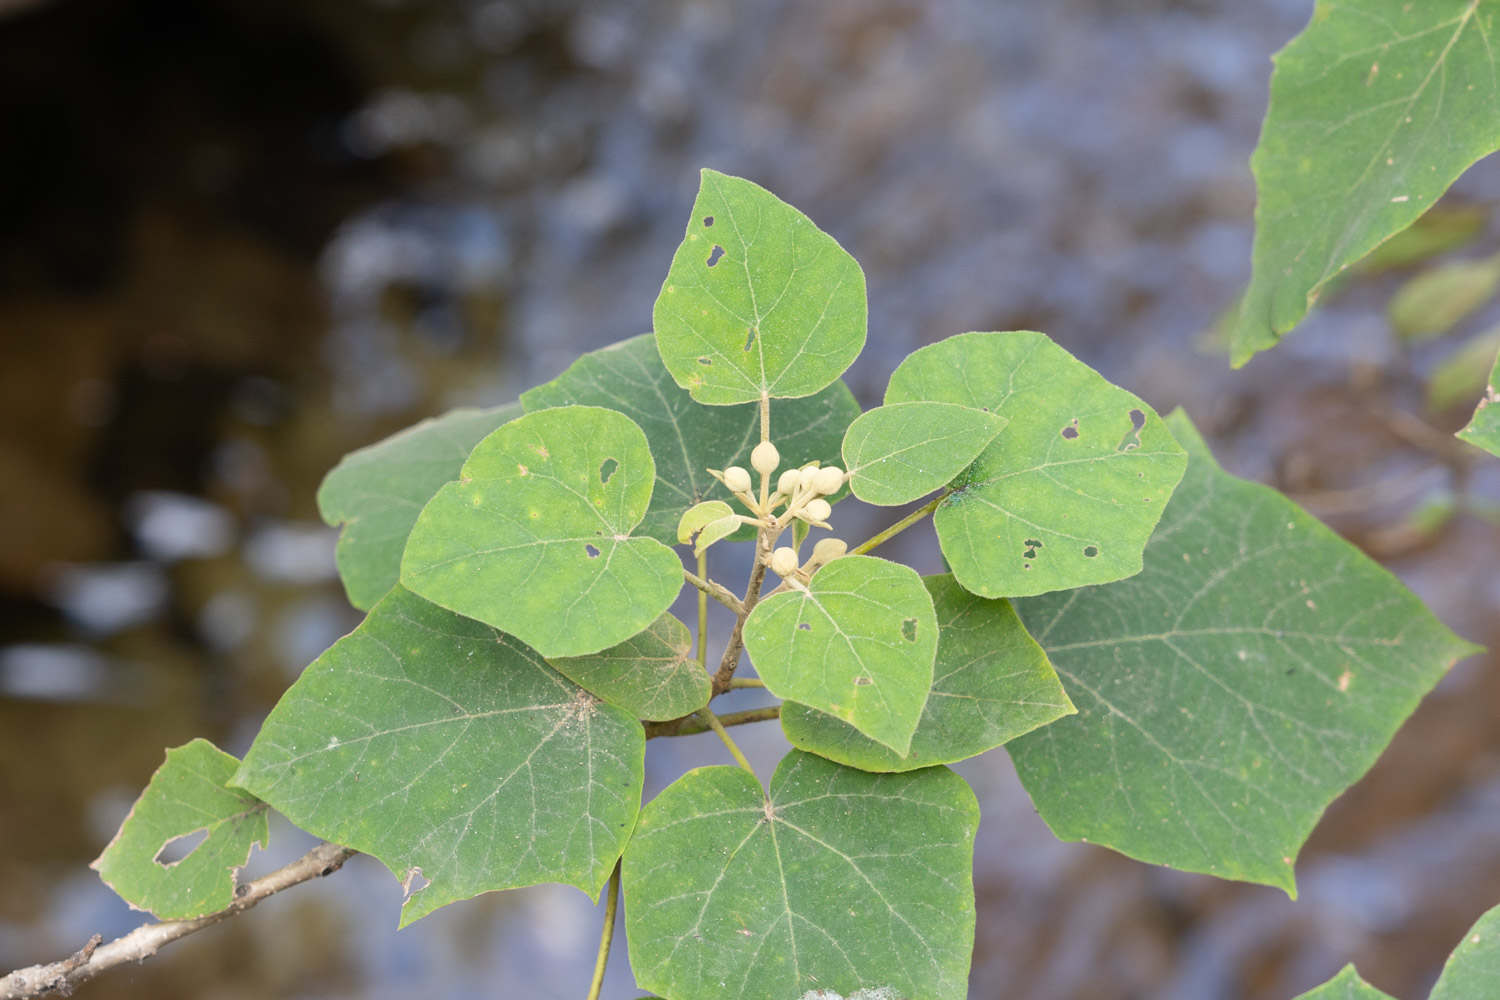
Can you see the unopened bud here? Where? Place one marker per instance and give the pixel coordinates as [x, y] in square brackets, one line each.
[807, 476]
[765, 458]
[828, 549]
[828, 480]
[787, 484]
[817, 510]
[784, 561]
[737, 479]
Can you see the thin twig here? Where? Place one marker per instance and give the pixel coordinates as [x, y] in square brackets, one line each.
[717, 591]
[607, 934]
[703, 612]
[899, 526]
[691, 725]
[717, 726]
[143, 942]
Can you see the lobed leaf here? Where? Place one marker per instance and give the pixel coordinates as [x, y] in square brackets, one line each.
[651, 675]
[758, 302]
[837, 880]
[377, 492]
[857, 642]
[1483, 431]
[1071, 490]
[186, 807]
[895, 454]
[1375, 109]
[535, 540]
[1254, 669]
[451, 751]
[687, 438]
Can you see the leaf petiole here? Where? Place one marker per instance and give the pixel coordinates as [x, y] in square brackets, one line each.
[899, 526]
[607, 933]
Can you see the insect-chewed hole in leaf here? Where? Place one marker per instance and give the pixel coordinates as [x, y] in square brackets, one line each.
[178, 848]
[591, 550]
[749, 338]
[909, 630]
[1071, 431]
[803, 627]
[708, 220]
[1090, 551]
[607, 469]
[715, 254]
[1032, 544]
[705, 361]
[414, 883]
[1132, 438]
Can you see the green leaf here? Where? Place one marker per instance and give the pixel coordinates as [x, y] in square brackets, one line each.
[1474, 967]
[705, 523]
[990, 684]
[1483, 431]
[758, 302]
[688, 438]
[857, 642]
[377, 492]
[837, 881]
[1345, 986]
[1255, 668]
[186, 797]
[1376, 108]
[1460, 376]
[1068, 495]
[1441, 229]
[895, 454]
[535, 537]
[1435, 301]
[652, 675]
[445, 748]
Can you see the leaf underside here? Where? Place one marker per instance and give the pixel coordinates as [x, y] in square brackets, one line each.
[1483, 431]
[652, 675]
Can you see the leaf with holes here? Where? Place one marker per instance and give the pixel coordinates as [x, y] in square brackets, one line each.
[990, 684]
[181, 847]
[1376, 108]
[535, 540]
[895, 454]
[1068, 495]
[652, 675]
[857, 642]
[1483, 431]
[688, 438]
[837, 880]
[377, 492]
[451, 752]
[1470, 973]
[758, 302]
[1252, 671]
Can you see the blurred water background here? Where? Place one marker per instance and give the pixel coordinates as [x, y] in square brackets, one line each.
[239, 238]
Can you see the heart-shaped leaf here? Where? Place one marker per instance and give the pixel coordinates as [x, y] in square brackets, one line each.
[1483, 431]
[990, 684]
[758, 302]
[377, 492]
[1253, 670]
[897, 453]
[652, 675]
[1069, 493]
[838, 880]
[687, 438]
[451, 751]
[186, 837]
[857, 642]
[535, 537]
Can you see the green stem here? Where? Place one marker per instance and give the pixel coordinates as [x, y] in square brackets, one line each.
[718, 727]
[691, 725]
[746, 682]
[899, 526]
[717, 591]
[607, 935]
[703, 612]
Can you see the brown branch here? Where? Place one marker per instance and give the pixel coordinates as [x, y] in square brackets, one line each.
[143, 942]
[731, 658]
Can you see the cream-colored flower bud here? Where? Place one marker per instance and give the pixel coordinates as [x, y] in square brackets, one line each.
[784, 561]
[807, 476]
[828, 549]
[817, 510]
[737, 479]
[828, 480]
[787, 484]
[765, 458]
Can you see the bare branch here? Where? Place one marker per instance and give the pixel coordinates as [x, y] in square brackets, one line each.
[143, 942]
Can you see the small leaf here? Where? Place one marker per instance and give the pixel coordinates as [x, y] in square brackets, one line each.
[1376, 108]
[759, 302]
[990, 684]
[1255, 668]
[700, 516]
[377, 492]
[687, 438]
[1345, 986]
[652, 675]
[895, 454]
[1460, 376]
[1068, 495]
[1435, 301]
[857, 642]
[1483, 431]
[836, 881]
[534, 539]
[178, 852]
[445, 748]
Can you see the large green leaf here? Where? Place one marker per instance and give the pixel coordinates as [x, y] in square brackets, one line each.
[1483, 431]
[450, 750]
[535, 538]
[838, 880]
[1069, 492]
[1470, 973]
[1345, 986]
[895, 454]
[990, 684]
[857, 642]
[652, 675]
[186, 808]
[1376, 108]
[377, 492]
[1255, 668]
[759, 302]
[687, 438]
